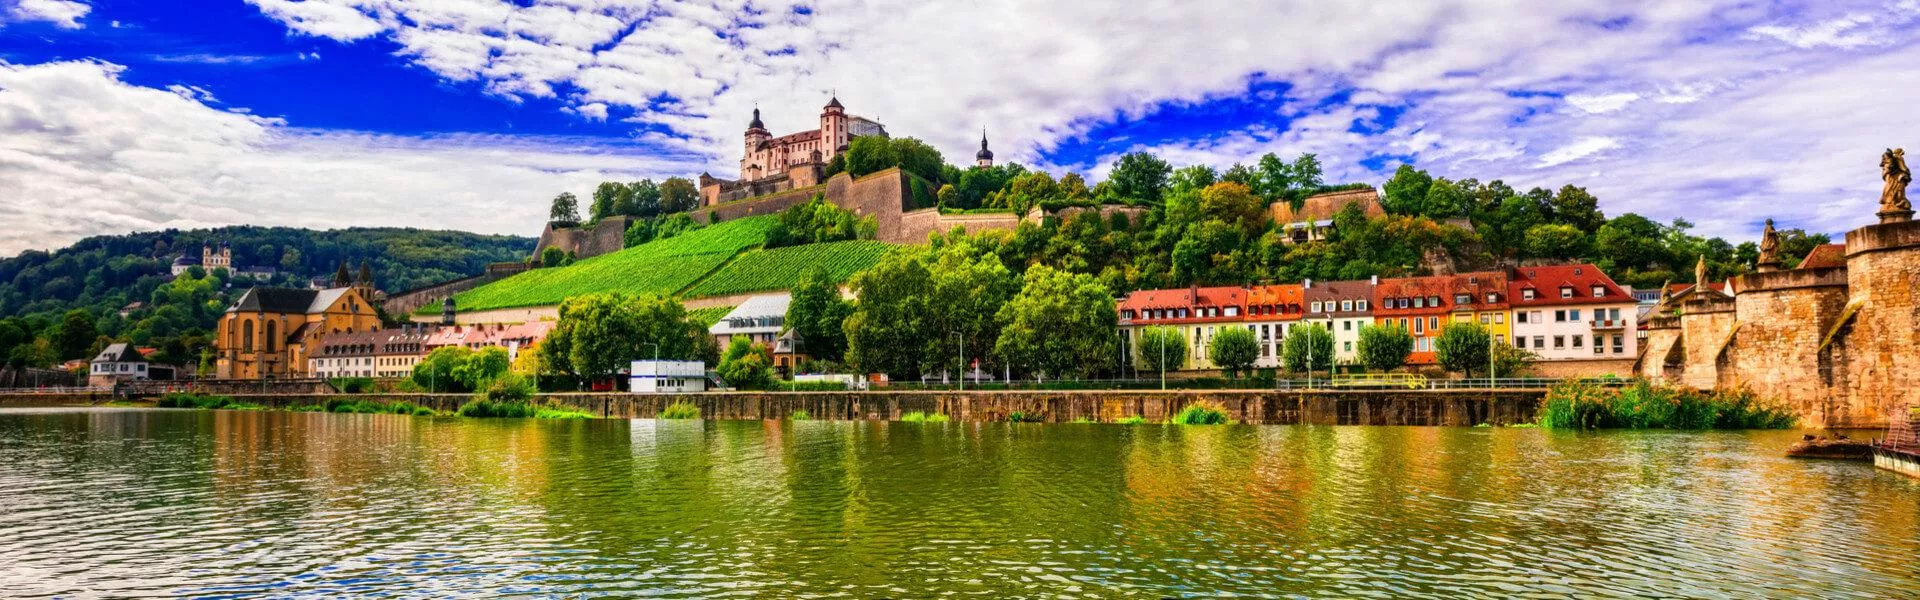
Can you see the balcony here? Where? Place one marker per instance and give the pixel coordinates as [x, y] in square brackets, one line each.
[1608, 323]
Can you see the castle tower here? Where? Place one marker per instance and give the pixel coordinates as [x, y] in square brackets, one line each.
[983, 158]
[364, 282]
[218, 256]
[753, 161]
[446, 311]
[833, 128]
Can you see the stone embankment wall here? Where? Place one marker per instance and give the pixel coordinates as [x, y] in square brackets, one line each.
[1777, 351]
[1426, 407]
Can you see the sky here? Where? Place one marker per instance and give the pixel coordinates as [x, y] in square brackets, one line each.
[128, 115]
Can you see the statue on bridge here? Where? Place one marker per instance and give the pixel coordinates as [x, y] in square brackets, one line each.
[1894, 205]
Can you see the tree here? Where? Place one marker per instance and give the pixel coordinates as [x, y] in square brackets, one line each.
[597, 335]
[1630, 241]
[1509, 361]
[1139, 177]
[553, 256]
[1162, 348]
[75, 336]
[1060, 324]
[1234, 351]
[1462, 347]
[1308, 347]
[745, 365]
[644, 197]
[1384, 347]
[565, 211]
[816, 314]
[678, 195]
[437, 371]
[1574, 206]
[12, 335]
[920, 309]
[481, 366]
[604, 196]
[1235, 204]
[1406, 191]
[1193, 178]
[1557, 241]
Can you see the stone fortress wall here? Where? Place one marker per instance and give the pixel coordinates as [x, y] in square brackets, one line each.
[606, 236]
[1839, 343]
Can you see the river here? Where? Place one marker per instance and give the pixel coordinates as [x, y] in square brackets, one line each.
[132, 502]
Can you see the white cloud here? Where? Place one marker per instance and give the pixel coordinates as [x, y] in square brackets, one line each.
[1602, 103]
[83, 153]
[1582, 148]
[62, 13]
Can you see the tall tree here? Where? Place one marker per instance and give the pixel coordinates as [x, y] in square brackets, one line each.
[599, 334]
[603, 199]
[817, 314]
[1307, 347]
[644, 196]
[1462, 347]
[1139, 177]
[76, 335]
[1060, 324]
[1161, 349]
[1406, 192]
[678, 195]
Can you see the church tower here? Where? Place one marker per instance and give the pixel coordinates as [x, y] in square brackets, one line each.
[983, 158]
[833, 128]
[753, 161]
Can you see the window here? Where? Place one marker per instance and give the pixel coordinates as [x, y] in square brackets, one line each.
[1619, 344]
[1419, 302]
[1577, 340]
[1573, 315]
[1493, 298]
[1598, 341]
[1316, 306]
[1346, 325]
[1499, 317]
[1433, 322]
[1486, 319]
[1527, 293]
[1462, 299]
[1417, 329]
[1433, 301]
[1520, 317]
[1599, 291]
[1559, 316]
[1359, 305]
[1348, 346]
[1265, 333]
[1346, 305]
[1566, 291]
[1559, 341]
[1519, 342]
[1539, 341]
[1233, 311]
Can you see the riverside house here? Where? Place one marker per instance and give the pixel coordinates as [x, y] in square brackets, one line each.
[1198, 312]
[1345, 307]
[1572, 312]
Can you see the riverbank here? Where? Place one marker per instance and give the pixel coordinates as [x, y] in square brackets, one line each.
[1264, 407]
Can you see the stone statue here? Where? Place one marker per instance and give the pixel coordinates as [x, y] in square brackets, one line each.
[1769, 248]
[1893, 197]
[1700, 274]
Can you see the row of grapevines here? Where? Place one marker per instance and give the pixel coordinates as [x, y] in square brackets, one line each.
[664, 267]
[783, 268]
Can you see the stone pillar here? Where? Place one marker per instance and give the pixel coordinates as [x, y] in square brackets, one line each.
[1783, 318]
[1883, 362]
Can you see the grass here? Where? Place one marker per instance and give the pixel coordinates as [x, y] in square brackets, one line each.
[783, 268]
[1645, 406]
[355, 406]
[1081, 420]
[680, 410]
[204, 402]
[561, 412]
[706, 317]
[663, 266]
[800, 415]
[923, 417]
[1201, 413]
[1133, 420]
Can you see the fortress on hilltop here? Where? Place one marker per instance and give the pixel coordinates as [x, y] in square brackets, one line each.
[1837, 338]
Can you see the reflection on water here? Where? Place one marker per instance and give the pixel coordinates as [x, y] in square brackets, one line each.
[145, 502]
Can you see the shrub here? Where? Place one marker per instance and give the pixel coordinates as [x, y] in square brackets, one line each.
[800, 415]
[558, 412]
[1133, 420]
[680, 410]
[1645, 406]
[483, 408]
[1020, 416]
[923, 417]
[203, 401]
[352, 385]
[1201, 413]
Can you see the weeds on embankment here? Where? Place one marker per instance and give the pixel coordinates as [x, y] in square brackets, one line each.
[800, 415]
[680, 410]
[923, 417]
[1645, 406]
[204, 401]
[1201, 413]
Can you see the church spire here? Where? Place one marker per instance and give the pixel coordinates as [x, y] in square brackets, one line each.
[984, 158]
[756, 124]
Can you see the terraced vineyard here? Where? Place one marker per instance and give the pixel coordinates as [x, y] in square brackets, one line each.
[782, 268]
[663, 267]
[706, 317]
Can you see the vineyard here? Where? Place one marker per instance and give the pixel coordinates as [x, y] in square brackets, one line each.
[782, 268]
[706, 317]
[663, 267]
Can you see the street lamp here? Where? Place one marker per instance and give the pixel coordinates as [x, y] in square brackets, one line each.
[961, 341]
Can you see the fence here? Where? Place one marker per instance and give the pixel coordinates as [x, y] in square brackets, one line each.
[1388, 381]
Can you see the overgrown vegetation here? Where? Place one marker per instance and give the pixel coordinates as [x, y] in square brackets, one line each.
[923, 417]
[204, 401]
[1132, 420]
[680, 410]
[1645, 406]
[352, 385]
[800, 415]
[1201, 413]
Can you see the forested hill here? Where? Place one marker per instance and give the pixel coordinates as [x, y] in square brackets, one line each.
[104, 273]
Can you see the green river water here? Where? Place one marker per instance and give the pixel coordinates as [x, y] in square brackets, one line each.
[130, 502]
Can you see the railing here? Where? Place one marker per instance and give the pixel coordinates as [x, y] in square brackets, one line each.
[1608, 323]
[59, 389]
[1410, 381]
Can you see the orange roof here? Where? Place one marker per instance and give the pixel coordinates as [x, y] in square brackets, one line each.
[1221, 297]
[1547, 282]
[1825, 256]
[1477, 286]
[1284, 301]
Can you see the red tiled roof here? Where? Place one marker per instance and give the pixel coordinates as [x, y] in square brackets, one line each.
[1547, 281]
[1286, 301]
[1430, 289]
[1189, 298]
[1825, 256]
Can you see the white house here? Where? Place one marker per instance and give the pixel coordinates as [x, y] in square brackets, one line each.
[1573, 312]
[667, 376]
[759, 319]
[119, 362]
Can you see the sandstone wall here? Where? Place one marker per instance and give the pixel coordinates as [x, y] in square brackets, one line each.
[1703, 334]
[1652, 363]
[1883, 338]
[915, 226]
[1783, 316]
[1584, 367]
[607, 236]
[761, 205]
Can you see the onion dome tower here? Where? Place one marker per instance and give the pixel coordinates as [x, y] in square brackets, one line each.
[983, 158]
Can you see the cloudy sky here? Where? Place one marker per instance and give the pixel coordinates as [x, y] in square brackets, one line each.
[122, 115]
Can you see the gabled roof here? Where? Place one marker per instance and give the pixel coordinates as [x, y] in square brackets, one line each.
[1191, 297]
[1546, 282]
[1436, 287]
[274, 300]
[1825, 256]
[758, 313]
[1278, 295]
[118, 353]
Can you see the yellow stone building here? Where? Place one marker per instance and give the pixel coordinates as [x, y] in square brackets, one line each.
[269, 332]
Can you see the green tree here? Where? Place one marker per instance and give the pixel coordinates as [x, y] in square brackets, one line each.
[1384, 347]
[1233, 350]
[481, 366]
[1161, 349]
[437, 371]
[553, 256]
[1406, 192]
[745, 365]
[816, 313]
[1192, 178]
[603, 199]
[1235, 204]
[597, 335]
[1556, 241]
[1630, 241]
[678, 195]
[1462, 347]
[644, 197]
[1060, 324]
[918, 303]
[1307, 347]
[1509, 361]
[75, 336]
[12, 335]
[565, 211]
[1139, 177]
[1574, 206]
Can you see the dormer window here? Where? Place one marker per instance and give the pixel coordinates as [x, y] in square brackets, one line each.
[1433, 301]
[1233, 311]
[1566, 291]
[1359, 305]
[1599, 291]
[1527, 293]
[1462, 299]
[1419, 302]
[1493, 298]
[1316, 306]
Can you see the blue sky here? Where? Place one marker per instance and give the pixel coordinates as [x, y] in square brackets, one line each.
[125, 115]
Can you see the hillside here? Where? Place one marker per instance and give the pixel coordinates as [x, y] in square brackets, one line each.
[718, 260]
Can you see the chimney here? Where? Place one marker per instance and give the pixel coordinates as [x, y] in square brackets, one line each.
[1307, 283]
[1376, 280]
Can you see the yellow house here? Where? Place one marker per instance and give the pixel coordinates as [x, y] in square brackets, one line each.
[269, 332]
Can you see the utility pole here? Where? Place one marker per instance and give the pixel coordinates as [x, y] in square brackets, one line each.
[962, 342]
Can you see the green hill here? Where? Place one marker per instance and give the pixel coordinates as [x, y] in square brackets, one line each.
[716, 260]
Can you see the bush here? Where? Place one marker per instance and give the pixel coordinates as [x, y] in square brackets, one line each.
[1020, 416]
[557, 412]
[800, 415]
[203, 401]
[507, 396]
[680, 410]
[1644, 406]
[352, 385]
[1201, 413]
[482, 408]
[1133, 420]
[923, 417]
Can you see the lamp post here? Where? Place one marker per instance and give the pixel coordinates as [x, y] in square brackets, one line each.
[961, 341]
